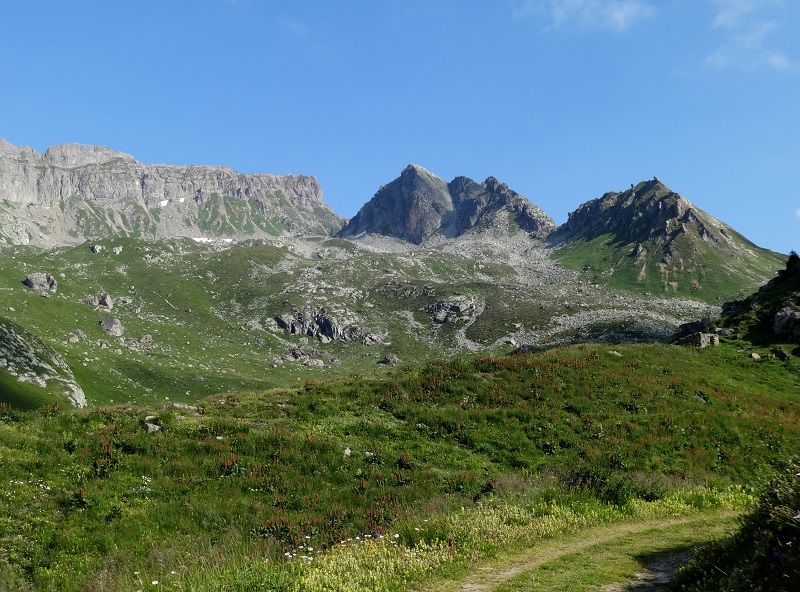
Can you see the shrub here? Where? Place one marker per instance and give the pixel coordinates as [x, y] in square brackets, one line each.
[763, 555]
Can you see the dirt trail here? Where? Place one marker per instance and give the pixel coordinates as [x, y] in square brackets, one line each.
[489, 576]
[656, 574]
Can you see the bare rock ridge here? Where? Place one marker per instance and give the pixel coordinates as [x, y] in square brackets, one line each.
[418, 205]
[649, 210]
[75, 192]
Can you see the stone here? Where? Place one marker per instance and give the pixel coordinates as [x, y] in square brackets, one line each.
[106, 301]
[780, 353]
[146, 339]
[80, 334]
[96, 249]
[92, 300]
[754, 356]
[318, 323]
[117, 250]
[786, 323]
[151, 427]
[391, 360]
[41, 281]
[699, 340]
[112, 326]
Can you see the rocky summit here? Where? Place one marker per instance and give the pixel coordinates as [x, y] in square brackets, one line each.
[418, 205]
[653, 237]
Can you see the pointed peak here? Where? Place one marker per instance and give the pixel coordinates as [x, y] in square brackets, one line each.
[415, 169]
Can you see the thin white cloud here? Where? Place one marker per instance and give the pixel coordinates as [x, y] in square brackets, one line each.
[747, 33]
[617, 15]
[731, 12]
[295, 27]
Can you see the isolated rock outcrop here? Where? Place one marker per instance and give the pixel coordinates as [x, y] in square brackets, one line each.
[112, 327]
[75, 192]
[319, 324]
[451, 309]
[786, 323]
[700, 340]
[43, 282]
[106, 300]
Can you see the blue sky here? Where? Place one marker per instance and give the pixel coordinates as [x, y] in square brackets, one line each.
[561, 99]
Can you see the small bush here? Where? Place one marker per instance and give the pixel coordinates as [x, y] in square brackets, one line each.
[763, 555]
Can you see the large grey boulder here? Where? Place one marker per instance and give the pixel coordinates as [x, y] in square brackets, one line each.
[106, 300]
[112, 326]
[786, 323]
[42, 282]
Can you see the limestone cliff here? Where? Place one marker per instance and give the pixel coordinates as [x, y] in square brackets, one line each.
[75, 192]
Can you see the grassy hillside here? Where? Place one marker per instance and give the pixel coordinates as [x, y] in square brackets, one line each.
[200, 319]
[457, 459]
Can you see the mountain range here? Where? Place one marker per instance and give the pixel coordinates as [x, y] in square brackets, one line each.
[276, 287]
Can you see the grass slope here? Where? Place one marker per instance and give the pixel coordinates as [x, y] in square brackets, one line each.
[477, 448]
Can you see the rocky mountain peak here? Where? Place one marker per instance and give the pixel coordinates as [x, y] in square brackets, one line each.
[418, 205]
[657, 238]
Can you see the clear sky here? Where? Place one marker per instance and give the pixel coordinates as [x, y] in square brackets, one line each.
[563, 100]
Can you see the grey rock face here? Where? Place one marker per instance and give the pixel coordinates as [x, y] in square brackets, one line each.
[27, 359]
[73, 192]
[317, 323]
[112, 327]
[41, 281]
[452, 309]
[419, 204]
[786, 323]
